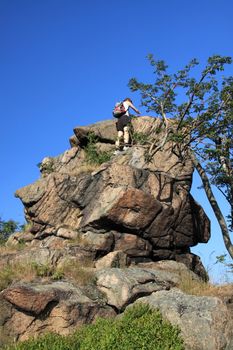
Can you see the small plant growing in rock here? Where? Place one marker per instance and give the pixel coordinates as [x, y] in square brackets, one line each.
[26, 227]
[94, 156]
[140, 138]
[47, 270]
[46, 166]
[43, 270]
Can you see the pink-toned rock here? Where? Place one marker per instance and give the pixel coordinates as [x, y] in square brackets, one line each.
[67, 233]
[135, 209]
[57, 307]
[126, 195]
[113, 259]
[28, 299]
[132, 245]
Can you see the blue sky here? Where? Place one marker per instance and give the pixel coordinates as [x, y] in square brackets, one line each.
[64, 63]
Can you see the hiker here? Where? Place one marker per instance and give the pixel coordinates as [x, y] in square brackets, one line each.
[123, 126]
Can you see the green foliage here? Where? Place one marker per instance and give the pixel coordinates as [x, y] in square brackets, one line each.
[201, 106]
[94, 156]
[45, 342]
[222, 259]
[46, 166]
[47, 270]
[138, 328]
[140, 138]
[7, 228]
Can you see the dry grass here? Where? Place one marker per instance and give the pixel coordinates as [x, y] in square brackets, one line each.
[28, 272]
[80, 241]
[16, 272]
[76, 271]
[192, 286]
[11, 248]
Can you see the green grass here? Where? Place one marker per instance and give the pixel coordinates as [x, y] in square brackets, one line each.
[140, 328]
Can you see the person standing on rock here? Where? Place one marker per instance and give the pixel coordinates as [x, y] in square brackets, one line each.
[123, 126]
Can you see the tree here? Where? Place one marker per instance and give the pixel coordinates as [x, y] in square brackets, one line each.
[202, 111]
[7, 228]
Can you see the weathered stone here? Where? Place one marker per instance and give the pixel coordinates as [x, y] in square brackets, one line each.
[124, 286]
[122, 216]
[58, 307]
[53, 242]
[30, 300]
[132, 245]
[193, 262]
[176, 227]
[132, 209]
[114, 259]
[204, 321]
[67, 233]
[47, 204]
[125, 194]
[73, 141]
[105, 147]
[69, 155]
[201, 222]
[105, 131]
[20, 237]
[100, 242]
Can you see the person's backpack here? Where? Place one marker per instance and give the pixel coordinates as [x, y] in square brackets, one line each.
[118, 110]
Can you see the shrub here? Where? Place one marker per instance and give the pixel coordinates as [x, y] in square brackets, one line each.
[138, 328]
[46, 166]
[94, 156]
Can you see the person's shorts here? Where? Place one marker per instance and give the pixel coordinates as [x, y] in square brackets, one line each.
[123, 121]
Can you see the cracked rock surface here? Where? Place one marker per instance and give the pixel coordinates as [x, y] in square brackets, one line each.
[125, 227]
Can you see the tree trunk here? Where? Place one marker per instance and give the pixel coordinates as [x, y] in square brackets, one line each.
[217, 211]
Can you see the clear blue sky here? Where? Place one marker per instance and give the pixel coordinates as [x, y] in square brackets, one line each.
[64, 63]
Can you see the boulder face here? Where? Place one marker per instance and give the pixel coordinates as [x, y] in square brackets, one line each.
[145, 207]
[103, 236]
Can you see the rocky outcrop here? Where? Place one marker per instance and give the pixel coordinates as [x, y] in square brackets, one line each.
[143, 206]
[129, 223]
[58, 307]
[204, 321]
[31, 309]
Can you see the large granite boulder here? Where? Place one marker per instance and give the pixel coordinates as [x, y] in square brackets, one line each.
[60, 307]
[128, 222]
[204, 321]
[134, 201]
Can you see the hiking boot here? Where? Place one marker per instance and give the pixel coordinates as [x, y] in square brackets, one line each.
[117, 151]
[125, 148]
